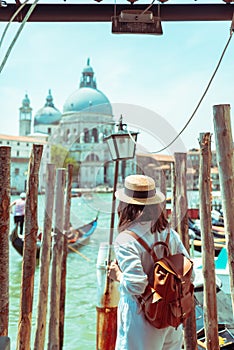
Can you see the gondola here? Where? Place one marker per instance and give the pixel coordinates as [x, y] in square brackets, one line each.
[18, 242]
[195, 237]
[81, 236]
[76, 237]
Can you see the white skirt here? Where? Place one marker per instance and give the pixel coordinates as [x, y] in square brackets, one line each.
[134, 332]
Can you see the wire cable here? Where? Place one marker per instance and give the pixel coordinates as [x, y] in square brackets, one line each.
[201, 99]
[32, 7]
[11, 20]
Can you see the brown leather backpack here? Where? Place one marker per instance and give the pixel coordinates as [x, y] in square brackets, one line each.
[169, 301]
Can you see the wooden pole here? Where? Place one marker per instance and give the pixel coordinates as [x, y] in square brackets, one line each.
[29, 253]
[225, 158]
[45, 254]
[54, 320]
[181, 210]
[5, 161]
[64, 255]
[208, 268]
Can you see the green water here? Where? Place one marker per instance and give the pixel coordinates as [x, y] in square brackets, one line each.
[80, 307]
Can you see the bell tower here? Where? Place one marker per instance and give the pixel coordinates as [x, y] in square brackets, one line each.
[87, 79]
[25, 117]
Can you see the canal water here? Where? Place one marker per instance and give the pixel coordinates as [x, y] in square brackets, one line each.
[81, 292]
[81, 287]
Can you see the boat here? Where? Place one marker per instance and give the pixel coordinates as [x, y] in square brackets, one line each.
[81, 236]
[224, 307]
[195, 236]
[76, 237]
[18, 242]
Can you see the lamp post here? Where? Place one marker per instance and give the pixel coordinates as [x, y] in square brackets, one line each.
[122, 146]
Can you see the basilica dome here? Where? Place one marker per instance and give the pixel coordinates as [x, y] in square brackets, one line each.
[88, 97]
[48, 115]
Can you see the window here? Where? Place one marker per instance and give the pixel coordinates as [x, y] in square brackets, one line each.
[17, 153]
[18, 143]
[86, 135]
[16, 171]
[95, 135]
[92, 158]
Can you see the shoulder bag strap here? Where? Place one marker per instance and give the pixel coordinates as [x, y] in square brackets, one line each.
[151, 250]
[144, 244]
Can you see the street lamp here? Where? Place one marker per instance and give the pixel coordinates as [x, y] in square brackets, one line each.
[122, 146]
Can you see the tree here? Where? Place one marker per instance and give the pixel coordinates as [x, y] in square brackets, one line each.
[61, 157]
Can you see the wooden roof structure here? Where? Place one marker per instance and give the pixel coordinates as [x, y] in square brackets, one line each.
[98, 12]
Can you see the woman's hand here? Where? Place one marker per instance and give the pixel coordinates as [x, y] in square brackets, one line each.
[114, 271]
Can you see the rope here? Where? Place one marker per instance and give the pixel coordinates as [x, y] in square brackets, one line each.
[32, 7]
[11, 20]
[201, 99]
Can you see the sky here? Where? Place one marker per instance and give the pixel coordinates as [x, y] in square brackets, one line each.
[155, 82]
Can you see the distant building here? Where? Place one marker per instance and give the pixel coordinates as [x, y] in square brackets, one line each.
[158, 166]
[86, 118]
[47, 118]
[21, 147]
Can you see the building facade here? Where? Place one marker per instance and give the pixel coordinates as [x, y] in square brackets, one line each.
[80, 129]
[21, 148]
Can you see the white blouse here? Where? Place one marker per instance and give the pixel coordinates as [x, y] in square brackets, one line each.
[134, 332]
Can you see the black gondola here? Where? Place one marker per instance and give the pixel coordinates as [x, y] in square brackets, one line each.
[76, 238]
[195, 237]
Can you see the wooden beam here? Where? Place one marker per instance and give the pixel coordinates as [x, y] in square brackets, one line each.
[104, 12]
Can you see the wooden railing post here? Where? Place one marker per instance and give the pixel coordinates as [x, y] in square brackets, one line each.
[181, 218]
[30, 248]
[45, 254]
[5, 161]
[225, 159]
[55, 285]
[64, 255]
[210, 316]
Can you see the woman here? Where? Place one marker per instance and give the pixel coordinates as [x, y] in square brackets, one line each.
[140, 210]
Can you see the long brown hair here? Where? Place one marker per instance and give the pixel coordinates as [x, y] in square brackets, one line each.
[128, 213]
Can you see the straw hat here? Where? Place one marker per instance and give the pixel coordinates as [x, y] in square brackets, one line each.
[23, 195]
[141, 190]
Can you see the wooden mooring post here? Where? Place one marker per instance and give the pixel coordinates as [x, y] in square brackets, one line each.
[225, 159]
[57, 251]
[208, 268]
[45, 254]
[5, 160]
[64, 255]
[29, 254]
[181, 223]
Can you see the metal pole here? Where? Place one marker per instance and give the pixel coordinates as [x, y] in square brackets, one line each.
[107, 309]
[112, 223]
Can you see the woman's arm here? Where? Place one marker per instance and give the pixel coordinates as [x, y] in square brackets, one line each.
[132, 278]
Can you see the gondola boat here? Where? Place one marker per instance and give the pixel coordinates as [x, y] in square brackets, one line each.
[195, 237]
[81, 235]
[76, 237]
[18, 242]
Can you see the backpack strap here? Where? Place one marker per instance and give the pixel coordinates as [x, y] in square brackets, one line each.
[146, 246]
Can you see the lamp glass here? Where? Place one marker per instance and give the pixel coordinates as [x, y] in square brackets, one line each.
[122, 145]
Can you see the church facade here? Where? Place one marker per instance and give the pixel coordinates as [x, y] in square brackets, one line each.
[80, 129]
